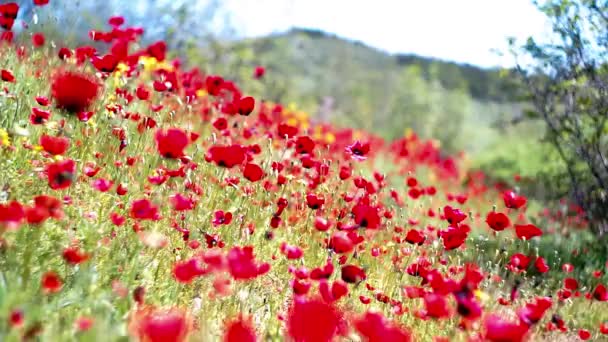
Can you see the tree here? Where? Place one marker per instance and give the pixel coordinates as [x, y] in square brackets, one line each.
[567, 80]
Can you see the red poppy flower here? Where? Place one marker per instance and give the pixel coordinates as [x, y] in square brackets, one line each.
[468, 307]
[51, 283]
[259, 72]
[16, 318]
[513, 201]
[253, 172]
[373, 327]
[116, 20]
[107, 63]
[345, 172]
[117, 219]
[102, 185]
[604, 328]
[358, 151]
[498, 329]
[541, 265]
[38, 39]
[186, 271]
[181, 202]
[220, 124]
[600, 293]
[453, 237]
[453, 215]
[340, 243]
[9, 10]
[304, 145]
[49, 204]
[74, 256]
[11, 214]
[533, 312]
[242, 265]
[306, 314]
[322, 224]
[436, 306]
[352, 274]
[83, 53]
[498, 221]
[245, 105]
[221, 218]
[570, 284]
[54, 145]
[143, 209]
[158, 50]
[61, 174]
[39, 116]
[7, 24]
[41, 2]
[291, 252]
[226, 156]
[214, 84]
[171, 143]
[519, 262]
[366, 216]
[142, 92]
[584, 334]
[36, 215]
[42, 100]
[314, 202]
[64, 53]
[160, 325]
[323, 272]
[239, 330]
[286, 131]
[415, 237]
[7, 76]
[527, 231]
[74, 92]
[333, 293]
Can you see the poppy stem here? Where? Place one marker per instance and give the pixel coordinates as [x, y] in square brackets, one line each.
[32, 242]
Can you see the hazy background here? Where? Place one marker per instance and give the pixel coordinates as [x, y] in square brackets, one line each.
[438, 68]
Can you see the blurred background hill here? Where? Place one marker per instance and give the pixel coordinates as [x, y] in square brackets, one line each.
[466, 108]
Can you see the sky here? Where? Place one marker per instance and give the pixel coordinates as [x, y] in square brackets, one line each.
[466, 31]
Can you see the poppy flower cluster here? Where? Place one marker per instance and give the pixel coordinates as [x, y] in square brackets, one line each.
[176, 205]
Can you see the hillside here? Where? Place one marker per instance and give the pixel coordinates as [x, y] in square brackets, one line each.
[326, 51]
[352, 84]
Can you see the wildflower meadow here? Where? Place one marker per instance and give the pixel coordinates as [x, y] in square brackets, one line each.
[145, 199]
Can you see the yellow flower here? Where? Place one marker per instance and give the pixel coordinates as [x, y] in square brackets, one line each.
[151, 63]
[292, 122]
[165, 65]
[201, 93]
[408, 132]
[5, 140]
[302, 116]
[330, 138]
[120, 69]
[482, 296]
[148, 62]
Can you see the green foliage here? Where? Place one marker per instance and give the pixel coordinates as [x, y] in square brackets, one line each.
[351, 84]
[570, 96]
